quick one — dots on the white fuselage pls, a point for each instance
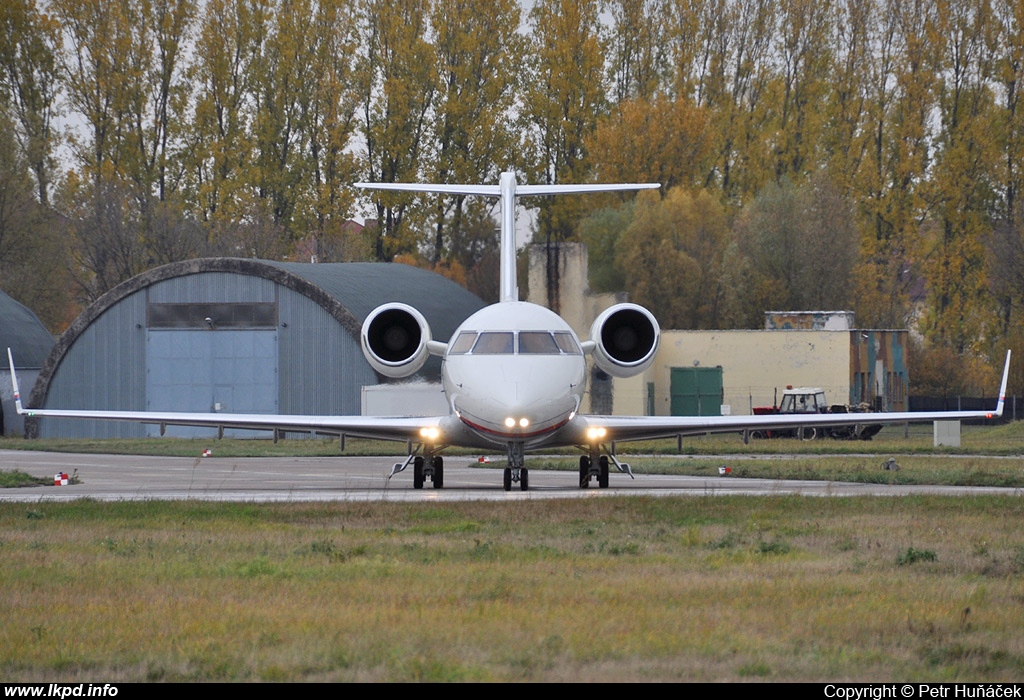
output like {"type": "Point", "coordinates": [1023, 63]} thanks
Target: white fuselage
{"type": "Point", "coordinates": [514, 372]}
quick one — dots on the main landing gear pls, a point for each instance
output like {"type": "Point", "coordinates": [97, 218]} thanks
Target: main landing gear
{"type": "Point", "coordinates": [589, 470]}
{"type": "Point", "coordinates": [423, 467]}
{"type": "Point", "coordinates": [515, 471]}
{"type": "Point", "coordinates": [595, 466]}
{"type": "Point", "coordinates": [422, 470]}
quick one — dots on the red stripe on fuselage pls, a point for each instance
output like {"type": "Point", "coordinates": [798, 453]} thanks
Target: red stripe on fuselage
{"type": "Point", "coordinates": [512, 436]}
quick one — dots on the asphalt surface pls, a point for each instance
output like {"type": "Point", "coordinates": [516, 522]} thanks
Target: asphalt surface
{"type": "Point", "coordinates": [281, 479]}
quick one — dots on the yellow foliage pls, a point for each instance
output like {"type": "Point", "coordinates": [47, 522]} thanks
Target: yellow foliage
{"type": "Point", "coordinates": [450, 269]}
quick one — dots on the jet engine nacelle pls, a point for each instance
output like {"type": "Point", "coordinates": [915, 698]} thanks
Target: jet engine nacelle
{"type": "Point", "coordinates": [626, 338]}
{"type": "Point", "coordinates": [395, 339]}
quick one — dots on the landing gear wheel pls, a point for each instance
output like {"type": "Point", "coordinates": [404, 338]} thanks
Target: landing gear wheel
{"type": "Point", "coordinates": [508, 479]}
{"type": "Point", "coordinates": [524, 479]}
{"type": "Point", "coordinates": [417, 473]}
{"type": "Point", "coordinates": [438, 478]}
{"type": "Point", "coordinates": [584, 472]}
{"type": "Point", "coordinates": [602, 480]}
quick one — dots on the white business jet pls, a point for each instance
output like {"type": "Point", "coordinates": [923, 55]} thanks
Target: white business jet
{"type": "Point", "coordinates": [514, 375]}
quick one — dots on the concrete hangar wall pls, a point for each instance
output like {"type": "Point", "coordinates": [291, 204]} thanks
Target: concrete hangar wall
{"type": "Point", "coordinates": [233, 335]}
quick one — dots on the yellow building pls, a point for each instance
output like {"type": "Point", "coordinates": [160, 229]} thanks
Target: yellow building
{"type": "Point", "coordinates": [851, 366]}
{"type": "Point", "coordinates": [716, 372]}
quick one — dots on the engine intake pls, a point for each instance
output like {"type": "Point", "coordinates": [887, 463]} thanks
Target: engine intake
{"type": "Point", "coordinates": [626, 338]}
{"type": "Point", "coordinates": [395, 339]}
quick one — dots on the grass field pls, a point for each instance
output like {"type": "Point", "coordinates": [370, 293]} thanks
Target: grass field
{"type": "Point", "coordinates": [697, 588]}
{"type": "Point", "coordinates": [619, 588]}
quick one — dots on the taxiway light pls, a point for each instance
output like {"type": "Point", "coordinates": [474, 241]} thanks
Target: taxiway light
{"type": "Point", "coordinates": [429, 433]}
{"type": "Point", "coordinates": [510, 422]}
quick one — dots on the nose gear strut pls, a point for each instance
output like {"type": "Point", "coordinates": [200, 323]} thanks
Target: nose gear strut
{"type": "Point", "coordinates": [515, 471]}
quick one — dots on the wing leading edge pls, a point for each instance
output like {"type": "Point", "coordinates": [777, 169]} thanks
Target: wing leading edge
{"type": "Point", "coordinates": [399, 428]}
{"type": "Point", "coordinates": [625, 428]}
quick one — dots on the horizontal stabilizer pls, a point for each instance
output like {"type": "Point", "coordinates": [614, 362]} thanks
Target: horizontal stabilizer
{"type": "Point", "coordinates": [495, 190]}
{"type": "Point", "coordinates": [480, 190]}
{"type": "Point", "coordinates": [584, 189]}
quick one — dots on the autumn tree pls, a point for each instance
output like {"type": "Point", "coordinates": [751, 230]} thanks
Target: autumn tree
{"type": "Point", "coordinates": [563, 97]}
{"type": "Point", "coordinates": [845, 137]}
{"type": "Point", "coordinates": [475, 247]}
{"type": "Point", "coordinates": [959, 190]}
{"type": "Point", "coordinates": [29, 50]}
{"type": "Point", "coordinates": [477, 57]}
{"type": "Point", "coordinates": [330, 123]}
{"type": "Point", "coordinates": [600, 231]}
{"type": "Point", "coordinates": [637, 48]}
{"type": "Point", "coordinates": [805, 53]}
{"type": "Point", "coordinates": [223, 74]}
{"type": "Point", "coordinates": [733, 77]}
{"type": "Point", "coordinates": [797, 248]}
{"type": "Point", "coordinates": [32, 256]}
{"type": "Point", "coordinates": [670, 257]}
{"type": "Point", "coordinates": [902, 85]}
{"type": "Point", "coordinates": [122, 76]}
{"type": "Point", "coordinates": [396, 70]}
{"type": "Point", "coordinates": [560, 108]}
{"type": "Point", "coordinates": [657, 140]}
{"type": "Point", "coordinates": [283, 81]}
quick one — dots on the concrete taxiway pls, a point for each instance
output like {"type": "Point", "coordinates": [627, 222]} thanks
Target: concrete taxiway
{"type": "Point", "coordinates": [282, 479]}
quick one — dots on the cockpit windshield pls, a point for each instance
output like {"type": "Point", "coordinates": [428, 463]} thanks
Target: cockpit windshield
{"type": "Point", "coordinates": [504, 343]}
{"type": "Point", "coordinates": [537, 343]}
{"type": "Point", "coordinates": [495, 344]}
{"type": "Point", "coordinates": [463, 343]}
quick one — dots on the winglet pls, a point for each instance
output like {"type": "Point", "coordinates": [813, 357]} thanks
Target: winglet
{"type": "Point", "coordinates": [1002, 387]}
{"type": "Point", "coordinates": [14, 384]}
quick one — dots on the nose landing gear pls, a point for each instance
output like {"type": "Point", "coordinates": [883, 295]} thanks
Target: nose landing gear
{"type": "Point", "coordinates": [515, 471]}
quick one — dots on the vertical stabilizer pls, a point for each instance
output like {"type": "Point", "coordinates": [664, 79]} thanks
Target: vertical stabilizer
{"type": "Point", "coordinates": [507, 190]}
{"type": "Point", "coordinates": [508, 289]}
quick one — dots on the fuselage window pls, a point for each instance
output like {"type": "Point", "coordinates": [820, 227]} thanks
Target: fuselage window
{"type": "Point", "coordinates": [463, 343]}
{"type": "Point", "coordinates": [567, 344]}
{"type": "Point", "coordinates": [537, 343]}
{"type": "Point", "coordinates": [495, 344]}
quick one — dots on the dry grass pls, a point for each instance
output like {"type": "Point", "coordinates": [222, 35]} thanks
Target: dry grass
{"type": "Point", "coordinates": [774, 588]}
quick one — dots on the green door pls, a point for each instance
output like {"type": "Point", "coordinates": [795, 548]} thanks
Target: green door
{"type": "Point", "coordinates": [696, 391]}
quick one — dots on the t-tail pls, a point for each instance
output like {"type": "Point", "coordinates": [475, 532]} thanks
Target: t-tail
{"type": "Point", "coordinates": [507, 190]}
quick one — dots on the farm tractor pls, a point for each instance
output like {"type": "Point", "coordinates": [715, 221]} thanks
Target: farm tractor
{"type": "Point", "coordinates": [812, 400]}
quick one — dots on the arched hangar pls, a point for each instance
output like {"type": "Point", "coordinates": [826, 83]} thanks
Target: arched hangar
{"type": "Point", "coordinates": [234, 335]}
{"type": "Point", "coordinates": [30, 343]}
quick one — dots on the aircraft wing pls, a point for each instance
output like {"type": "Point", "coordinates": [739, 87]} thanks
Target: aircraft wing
{"type": "Point", "coordinates": [626, 428]}
{"type": "Point", "coordinates": [400, 428]}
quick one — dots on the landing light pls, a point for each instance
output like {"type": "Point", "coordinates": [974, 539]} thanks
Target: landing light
{"type": "Point", "coordinates": [510, 422]}
{"type": "Point", "coordinates": [430, 433]}
{"type": "Point", "coordinates": [596, 433]}
{"type": "Point", "coordinates": [523, 422]}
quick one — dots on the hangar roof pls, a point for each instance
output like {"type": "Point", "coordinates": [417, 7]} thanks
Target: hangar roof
{"type": "Point", "coordinates": [348, 291]}
{"type": "Point", "coordinates": [23, 333]}
{"type": "Point", "coordinates": [361, 287]}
